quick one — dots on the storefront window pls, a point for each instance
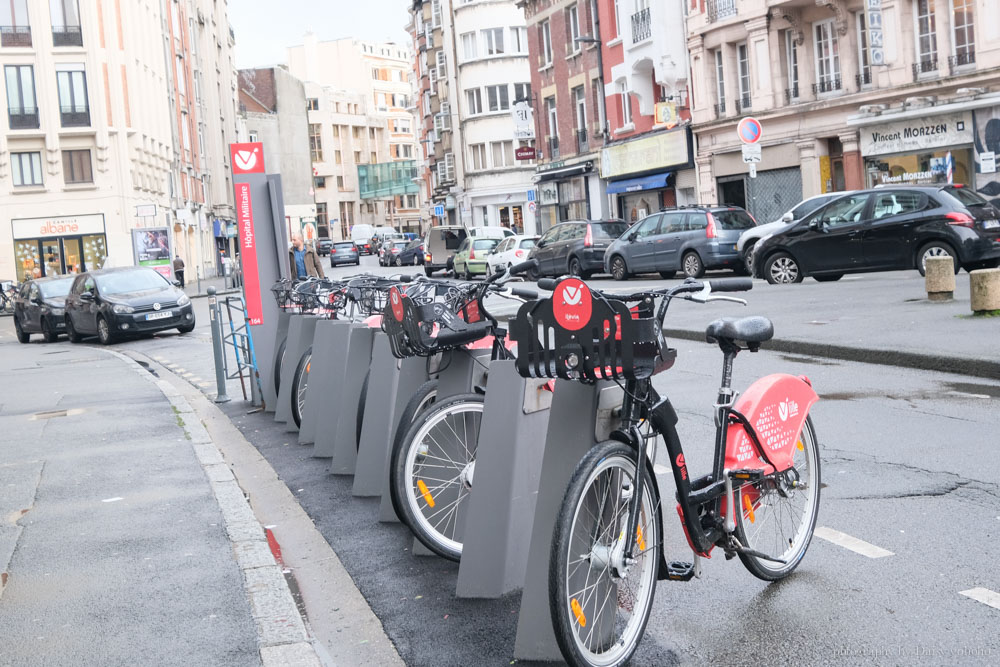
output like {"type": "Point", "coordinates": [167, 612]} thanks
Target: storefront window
{"type": "Point", "coordinates": [52, 256]}
{"type": "Point", "coordinates": [28, 259]}
{"type": "Point", "coordinates": [638, 206]}
{"type": "Point", "coordinates": [547, 216]}
{"type": "Point", "coordinates": [931, 166]}
{"type": "Point", "coordinates": [72, 255]}
{"type": "Point", "coordinates": [573, 199]}
{"type": "Point", "coordinates": [95, 251]}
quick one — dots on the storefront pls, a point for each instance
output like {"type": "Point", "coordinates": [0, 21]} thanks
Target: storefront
{"type": "Point", "coordinates": [59, 245]}
{"type": "Point", "coordinates": [567, 192]}
{"type": "Point", "coordinates": [643, 173]}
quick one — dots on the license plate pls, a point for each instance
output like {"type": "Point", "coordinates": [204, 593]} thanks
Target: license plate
{"type": "Point", "coordinates": [165, 315]}
{"type": "Point", "coordinates": [991, 224]}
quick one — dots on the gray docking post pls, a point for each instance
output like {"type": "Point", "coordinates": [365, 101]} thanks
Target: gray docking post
{"type": "Point", "coordinates": [300, 336]}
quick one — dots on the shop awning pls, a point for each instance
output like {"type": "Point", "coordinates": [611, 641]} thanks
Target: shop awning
{"type": "Point", "coordinates": [654, 182]}
{"type": "Point", "coordinates": [564, 172]}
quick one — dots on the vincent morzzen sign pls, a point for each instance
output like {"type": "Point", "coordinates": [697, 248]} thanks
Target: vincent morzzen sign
{"type": "Point", "coordinates": [915, 134]}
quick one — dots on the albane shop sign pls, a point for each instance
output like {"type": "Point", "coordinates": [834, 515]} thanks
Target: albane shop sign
{"type": "Point", "coordinates": [915, 134]}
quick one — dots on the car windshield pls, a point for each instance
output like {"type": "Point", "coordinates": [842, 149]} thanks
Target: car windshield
{"type": "Point", "coordinates": [485, 244]}
{"type": "Point", "coordinates": [56, 288]}
{"type": "Point", "coordinates": [527, 243]}
{"type": "Point", "coordinates": [344, 246]}
{"type": "Point", "coordinates": [733, 219]}
{"type": "Point", "coordinates": [452, 238]}
{"type": "Point", "coordinates": [966, 196]}
{"type": "Point", "coordinates": [808, 206]}
{"type": "Point", "coordinates": [608, 230]}
{"type": "Point", "coordinates": [122, 282]}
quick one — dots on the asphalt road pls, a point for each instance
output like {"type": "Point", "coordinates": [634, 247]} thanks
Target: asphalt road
{"type": "Point", "coordinates": [909, 466]}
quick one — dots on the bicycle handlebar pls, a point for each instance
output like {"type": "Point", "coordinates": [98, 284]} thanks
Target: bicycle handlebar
{"type": "Point", "coordinates": [518, 269]}
{"type": "Point", "coordinates": [731, 285]}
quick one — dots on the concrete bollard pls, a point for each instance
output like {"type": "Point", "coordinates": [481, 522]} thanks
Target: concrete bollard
{"type": "Point", "coordinates": [984, 286]}
{"type": "Point", "coordinates": [939, 278]}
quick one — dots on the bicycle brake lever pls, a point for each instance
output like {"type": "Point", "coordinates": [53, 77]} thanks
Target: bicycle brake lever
{"type": "Point", "coordinates": [719, 297]}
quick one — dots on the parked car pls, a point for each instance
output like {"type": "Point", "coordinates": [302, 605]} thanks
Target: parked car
{"type": "Point", "coordinates": [750, 237]}
{"type": "Point", "coordinates": [440, 246]}
{"type": "Point", "coordinates": [38, 308]}
{"type": "Point", "coordinates": [112, 303]}
{"type": "Point", "coordinates": [344, 252]}
{"type": "Point", "coordinates": [884, 229]}
{"type": "Point", "coordinates": [512, 250]}
{"type": "Point", "coordinates": [690, 239]}
{"type": "Point", "coordinates": [389, 250]}
{"type": "Point", "coordinates": [470, 260]}
{"type": "Point", "coordinates": [412, 254]}
{"type": "Point", "coordinates": [362, 237]}
{"type": "Point", "coordinates": [323, 247]}
{"type": "Point", "coordinates": [575, 247]}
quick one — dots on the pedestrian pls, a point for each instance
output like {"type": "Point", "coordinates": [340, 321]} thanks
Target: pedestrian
{"type": "Point", "coordinates": [302, 260]}
{"type": "Point", "coordinates": [179, 269]}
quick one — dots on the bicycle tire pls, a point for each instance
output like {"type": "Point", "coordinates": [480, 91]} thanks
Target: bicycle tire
{"type": "Point", "coordinates": [300, 384]}
{"type": "Point", "coordinates": [424, 397]}
{"type": "Point", "coordinates": [751, 507]}
{"type": "Point", "coordinates": [279, 359]}
{"type": "Point", "coordinates": [568, 612]}
{"type": "Point", "coordinates": [411, 498]}
{"type": "Point", "coordinates": [360, 419]}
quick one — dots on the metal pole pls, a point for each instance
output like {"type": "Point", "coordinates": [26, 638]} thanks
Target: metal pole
{"type": "Point", "coordinates": [220, 370]}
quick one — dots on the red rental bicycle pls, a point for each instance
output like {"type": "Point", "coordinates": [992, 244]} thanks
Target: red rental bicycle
{"type": "Point", "coordinates": [759, 502]}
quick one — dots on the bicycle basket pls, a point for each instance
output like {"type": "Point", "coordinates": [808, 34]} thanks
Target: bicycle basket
{"type": "Point", "coordinates": [424, 329]}
{"type": "Point", "coordinates": [575, 335]}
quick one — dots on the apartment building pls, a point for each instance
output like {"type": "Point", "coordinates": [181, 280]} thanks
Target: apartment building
{"type": "Point", "coordinates": [850, 94]}
{"type": "Point", "coordinates": [379, 73]}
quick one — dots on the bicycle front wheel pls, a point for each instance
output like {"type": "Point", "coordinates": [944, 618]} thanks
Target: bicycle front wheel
{"type": "Point", "coordinates": [599, 604]}
{"type": "Point", "coordinates": [777, 516]}
{"type": "Point", "coordinates": [299, 385]}
{"type": "Point", "coordinates": [432, 471]}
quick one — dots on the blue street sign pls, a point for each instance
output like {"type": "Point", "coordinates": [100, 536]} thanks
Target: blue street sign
{"type": "Point", "coordinates": [531, 195]}
{"type": "Point", "coordinates": [439, 210]}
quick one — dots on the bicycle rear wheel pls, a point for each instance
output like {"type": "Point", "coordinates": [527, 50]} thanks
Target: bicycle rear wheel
{"type": "Point", "coordinates": [777, 516]}
{"type": "Point", "coordinates": [599, 605]}
{"type": "Point", "coordinates": [299, 385]}
{"type": "Point", "coordinates": [279, 359]}
{"type": "Point", "coordinates": [432, 472]}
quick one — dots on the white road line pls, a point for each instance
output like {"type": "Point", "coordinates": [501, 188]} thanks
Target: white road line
{"type": "Point", "coordinates": [194, 378]}
{"type": "Point", "coordinates": [984, 595]}
{"type": "Point", "coordinates": [851, 543]}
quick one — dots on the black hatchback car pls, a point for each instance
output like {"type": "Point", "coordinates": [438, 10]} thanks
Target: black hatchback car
{"type": "Point", "coordinates": [575, 247]}
{"type": "Point", "coordinates": [112, 303]}
{"type": "Point", "coordinates": [884, 229]}
{"type": "Point", "coordinates": [38, 308]}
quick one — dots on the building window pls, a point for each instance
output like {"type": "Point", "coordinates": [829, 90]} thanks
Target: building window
{"type": "Point", "coordinates": [442, 64]}
{"type": "Point", "coordinates": [792, 65]}
{"type": "Point", "coordinates": [626, 104]}
{"type": "Point", "coordinates": [743, 65]}
{"type": "Point", "coordinates": [180, 76]}
{"type": "Point", "coordinates": [519, 39]}
{"type": "Point", "coordinates": [573, 29]}
{"type": "Point", "coordinates": [522, 92]}
{"type": "Point", "coordinates": [503, 153]}
{"type": "Point", "coordinates": [357, 157]}
{"type": "Point", "coordinates": [926, 36]}
{"type": "Point", "coordinates": [545, 36]}
{"type": "Point", "coordinates": [720, 83]}
{"type": "Point", "coordinates": [864, 66]}
{"type": "Point", "coordinates": [22, 111]}
{"type": "Point", "coordinates": [618, 20]}
{"type": "Point", "coordinates": [26, 168]}
{"type": "Point", "coordinates": [493, 42]}
{"type": "Point", "coordinates": [321, 217]}
{"type": "Point", "coordinates": [312, 104]}
{"type": "Point", "coordinates": [347, 213]}
{"type": "Point", "coordinates": [580, 114]}
{"type": "Point", "coordinates": [76, 167]}
{"type": "Point", "coordinates": [319, 182]}
{"type": "Point", "coordinates": [478, 156]}
{"type": "Point", "coordinates": [497, 97]}
{"type": "Point", "coordinates": [375, 74]}
{"type": "Point", "coordinates": [374, 158]}
{"type": "Point", "coordinates": [965, 32]}
{"type": "Point", "coordinates": [252, 135]}
{"type": "Point", "coordinates": [827, 57]}
{"type": "Point", "coordinates": [65, 23]}
{"type": "Point", "coordinates": [340, 182]}
{"type": "Point", "coordinates": [315, 143]}
{"type": "Point", "coordinates": [469, 45]}
{"type": "Point", "coordinates": [594, 31]}
{"type": "Point", "coordinates": [550, 114]}
{"type": "Point", "coordinates": [337, 158]}
{"type": "Point", "coordinates": [74, 108]}
{"type": "Point", "coordinates": [411, 201]}
{"type": "Point", "coordinates": [14, 27]}
{"type": "Point", "coordinates": [474, 99]}
{"type": "Point", "coordinates": [598, 89]}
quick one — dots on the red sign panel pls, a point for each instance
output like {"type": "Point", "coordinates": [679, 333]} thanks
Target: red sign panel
{"type": "Point", "coordinates": [248, 254]}
{"type": "Point", "coordinates": [524, 153]}
{"type": "Point", "coordinates": [247, 158]}
{"type": "Point", "coordinates": [571, 304]}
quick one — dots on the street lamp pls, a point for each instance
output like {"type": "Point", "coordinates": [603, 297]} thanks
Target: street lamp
{"type": "Point", "coordinates": [600, 75]}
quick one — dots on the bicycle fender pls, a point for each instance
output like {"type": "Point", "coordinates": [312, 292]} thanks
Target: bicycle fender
{"type": "Point", "coordinates": [776, 406]}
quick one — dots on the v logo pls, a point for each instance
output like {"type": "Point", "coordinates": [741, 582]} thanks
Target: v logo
{"type": "Point", "coordinates": [246, 160]}
{"type": "Point", "coordinates": [572, 295]}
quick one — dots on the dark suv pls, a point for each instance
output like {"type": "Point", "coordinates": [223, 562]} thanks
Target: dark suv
{"type": "Point", "coordinates": [884, 229]}
{"type": "Point", "coordinates": [689, 239]}
{"type": "Point", "coordinates": [576, 247]}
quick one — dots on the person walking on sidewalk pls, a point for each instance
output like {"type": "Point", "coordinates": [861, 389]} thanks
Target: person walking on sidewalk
{"type": "Point", "coordinates": [303, 260]}
{"type": "Point", "coordinates": [179, 269]}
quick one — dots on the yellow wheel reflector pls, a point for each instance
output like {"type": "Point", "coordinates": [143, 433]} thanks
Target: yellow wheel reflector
{"type": "Point", "coordinates": [800, 446]}
{"type": "Point", "coordinates": [639, 539]}
{"type": "Point", "coordinates": [425, 492]}
{"type": "Point", "coordinates": [578, 612]}
{"type": "Point", "coordinates": [309, 365]}
{"type": "Point", "coordinates": [749, 508]}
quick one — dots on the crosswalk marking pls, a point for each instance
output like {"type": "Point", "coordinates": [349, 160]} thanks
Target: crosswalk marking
{"type": "Point", "coordinates": [851, 543]}
{"type": "Point", "coordinates": [984, 595]}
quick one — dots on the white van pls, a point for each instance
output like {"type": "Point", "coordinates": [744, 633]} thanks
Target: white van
{"type": "Point", "coordinates": [362, 237]}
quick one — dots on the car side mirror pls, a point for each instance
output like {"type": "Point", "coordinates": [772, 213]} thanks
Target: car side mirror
{"type": "Point", "coordinates": [38, 300]}
{"type": "Point", "coordinates": [788, 217]}
{"type": "Point", "coordinates": [176, 283]}
{"type": "Point", "coordinates": [541, 244]}
{"type": "Point", "coordinates": [87, 296]}
{"type": "Point", "coordinates": [633, 236]}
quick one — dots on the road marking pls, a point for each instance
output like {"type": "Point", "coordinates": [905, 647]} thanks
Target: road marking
{"type": "Point", "coordinates": [851, 543]}
{"type": "Point", "coordinates": [195, 378]}
{"type": "Point", "coordinates": [112, 500]}
{"type": "Point", "coordinates": [984, 595]}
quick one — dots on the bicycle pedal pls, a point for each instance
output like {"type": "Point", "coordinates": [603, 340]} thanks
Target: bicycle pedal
{"type": "Point", "coordinates": [680, 571]}
{"type": "Point", "coordinates": [748, 476]}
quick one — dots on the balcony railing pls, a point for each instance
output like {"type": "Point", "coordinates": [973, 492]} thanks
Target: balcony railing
{"type": "Point", "coordinates": [791, 94]}
{"type": "Point", "coordinates": [582, 145]}
{"type": "Point", "coordinates": [553, 147]}
{"type": "Point", "coordinates": [743, 104]}
{"type": "Point", "coordinates": [641, 26]}
{"type": "Point", "coordinates": [827, 86]}
{"type": "Point", "coordinates": [15, 35]}
{"type": "Point", "coordinates": [23, 118]}
{"type": "Point", "coordinates": [924, 67]}
{"type": "Point", "coordinates": [720, 109]}
{"type": "Point", "coordinates": [74, 117]}
{"type": "Point", "coordinates": [70, 35]}
{"type": "Point", "coordinates": [720, 9]}
{"type": "Point", "coordinates": [863, 79]}
{"type": "Point", "coordinates": [961, 60]}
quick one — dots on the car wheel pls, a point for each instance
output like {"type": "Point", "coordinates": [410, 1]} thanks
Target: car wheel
{"type": "Point", "coordinates": [829, 278]}
{"type": "Point", "coordinates": [22, 335]}
{"type": "Point", "coordinates": [748, 257]}
{"type": "Point", "coordinates": [574, 267]}
{"type": "Point", "coordinates": [935, 249]}
{"type": "Point", "coordinates": [416, 260]}
{"type": "Point", "coordinates": [667, 275]}
{"type": "Point", "coordinates": [782, 269]}
{"type": "Point", "coordinates": [534, 274]}
{"type": "Point", "coordinates": [399, 261]}
{"type": "Point", "coordinates": [71, 333]}
{"type": "Point", "coordinates": [692, 265]}
{"type": "Point", "coordinates": [104, 334]}
{"type": "Point", "coordinates": [186, 329]}
{"type": "Point", "coordinates": [468, 273]}
{"type": "Point", "coordinates": [48, 332]}
{"type": "Point", "coordinates": [619, 271]}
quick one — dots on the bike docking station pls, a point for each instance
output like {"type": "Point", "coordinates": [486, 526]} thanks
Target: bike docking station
{"type": "Point", "coordinates": [501, 503]}
{"type": "Point", "coordinates": [301, 329]}
{"type": "Point", "coordinates": [351, 359]}
{"type": "Point", "coordinates": [267, 372]}
{"type": "Point", "coordinates": [322, 392]}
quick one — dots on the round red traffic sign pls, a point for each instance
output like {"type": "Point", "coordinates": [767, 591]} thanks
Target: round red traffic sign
{"type": "Point", "coordinates": [749, 130]}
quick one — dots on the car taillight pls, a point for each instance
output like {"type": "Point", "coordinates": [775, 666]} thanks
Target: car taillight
{"type": "Point", "coordinates": [472, 253]}
{"type": "Point", "coordinates": [960, 219]}
{"type": "Point", "coordinates": [710, 232]}
{"type": "Point", "coordinates": [427, 257]}
{"type": "Point", "coordinates": [588, 239]}
{"type": "Point", "coordinates": [518, 253]}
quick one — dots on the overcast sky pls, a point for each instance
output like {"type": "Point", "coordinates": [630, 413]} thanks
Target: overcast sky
{"type": "Point", "coordinates": [265, 28]}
